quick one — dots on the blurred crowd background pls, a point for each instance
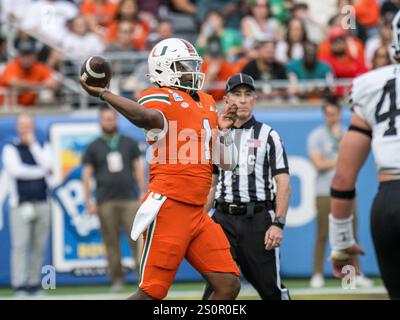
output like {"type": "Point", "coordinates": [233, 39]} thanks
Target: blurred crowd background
{"type": "Point", "coordinates": [297, 50]}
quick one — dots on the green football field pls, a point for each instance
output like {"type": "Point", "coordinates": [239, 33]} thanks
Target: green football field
{"type": "Point", "coordinates": [299, 289]}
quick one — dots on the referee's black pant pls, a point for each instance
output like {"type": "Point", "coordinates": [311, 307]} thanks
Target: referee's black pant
{"type": "Point", "coordinates": [259, 267]}
{"type": "Point", "coordinates": [385, 228]}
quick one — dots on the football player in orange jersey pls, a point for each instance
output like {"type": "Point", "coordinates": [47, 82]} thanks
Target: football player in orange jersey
{"type": "Point", "coordinates": [187, 135]}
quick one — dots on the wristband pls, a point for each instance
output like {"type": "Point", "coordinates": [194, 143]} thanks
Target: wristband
{"type": "Point", "coordinates": [341, 233]}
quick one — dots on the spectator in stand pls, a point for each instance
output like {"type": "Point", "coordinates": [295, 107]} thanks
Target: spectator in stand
{"type": "Point", "coordinates": [259, 24]}
{"type": "Point", "coordinates": [281, 9]}
{"type": "Point", "coordinates": [308, 68]}
{"type": "Point", "coordinates": [213, 26]}
{"type": "Point", "coordinates": [384, 39]}
{"type": "Point", "coordinates": [138, 81]}
{"type": "Point", "coordinates": [123, 40]}
{"type": "Point", "coordinates": [151, 10]}
{"type": "Point", "coordinates": [292, 48]}
{"type": "Point", "coordinates": [25, 75]}
{"type": "Point", "coordinates": [49, 18]}
{"type": "Point", "coordinates": [123, 68]}
{"type": "Point", "coordinates": [346, 18]}
{"type": "Point", "coordinates": [184, 6]}
{"type": "Point", "coordinates": [367, 15]}
{"type": "Point", "coordinates": [354, 45]}
{"type": "Point", "coordinates": [80, 42]}
{"type": "Point", "coordinates": [231, 11]}
{"type": "Point", "coordinates": [381, 58]}
{"type": "Point", "coordinates": [390, 6]}
{"type": "Point", "coordinates": [344, 65]}
{"type": "Point", "coordinates": [180, 12]}
{"type": "Point", "coordinates": [266, 68]}
{"type": "Point", "coordinates": [12, 10]}
{"type": "Point", "coordinates": [216, 68]}
{"type": "Point", "coordinates": [154, 8]}
{"type": "Point", "coordinates": [128, 11]}
{"type": "Point", "coordinates": [163, 31]}
{"type": "Point", "coordinates": [315, 16]}
{"type": "Point", "coordinates": [99, 14]}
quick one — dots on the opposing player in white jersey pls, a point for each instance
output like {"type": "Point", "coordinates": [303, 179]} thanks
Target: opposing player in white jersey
{"type": "Point", "coordinates": [375, 101]}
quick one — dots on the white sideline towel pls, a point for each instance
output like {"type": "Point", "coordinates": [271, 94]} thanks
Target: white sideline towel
{"type": "Point", "coordinates": [146, 214]}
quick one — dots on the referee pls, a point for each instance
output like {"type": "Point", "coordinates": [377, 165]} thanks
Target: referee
{"type": "Point", "coordinates": [251, 202]}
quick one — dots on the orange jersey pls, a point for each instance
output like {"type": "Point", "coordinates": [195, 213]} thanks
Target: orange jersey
{"type": "Point", "coordinates": [226, 70]}
{"type": "Point", "coordinates": [181, 164]}
{"type": "Point", "coordinates": [104, 13]}
{"type": "Point", "coordinates": [139, 34]}
{"type": "Point", "coordinates": [37, 73]}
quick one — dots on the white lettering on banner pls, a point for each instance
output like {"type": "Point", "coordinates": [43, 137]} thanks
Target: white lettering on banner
{"type": "Point", "coordinates": [305, 212]}
{"type": "Point", "coordinates": [4, 191]}
{"type": "Point", "coordinates": [71, 196]}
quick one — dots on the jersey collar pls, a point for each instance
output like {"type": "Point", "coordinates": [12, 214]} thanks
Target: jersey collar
{"type": "Point", "coordinates": [247, 125]}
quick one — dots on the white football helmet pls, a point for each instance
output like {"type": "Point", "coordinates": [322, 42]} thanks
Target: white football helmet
{"type": "Point", "coordinates": [175, 62]}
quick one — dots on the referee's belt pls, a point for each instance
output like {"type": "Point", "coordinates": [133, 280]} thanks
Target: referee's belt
{"type": "Point", "coordinates": [248, 208]}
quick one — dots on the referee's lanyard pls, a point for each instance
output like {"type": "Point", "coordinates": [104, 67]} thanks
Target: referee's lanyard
{"type": "Point", "coordinates": [115, 162]}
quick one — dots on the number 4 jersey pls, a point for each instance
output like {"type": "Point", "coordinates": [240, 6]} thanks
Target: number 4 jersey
{"type": "Point", "coordinates": [181, 164]}
{"type": "Point", "coordinates": [375, 97]}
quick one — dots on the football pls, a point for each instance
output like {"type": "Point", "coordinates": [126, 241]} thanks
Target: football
{"type": "Point", "coordinates": [96, 71]}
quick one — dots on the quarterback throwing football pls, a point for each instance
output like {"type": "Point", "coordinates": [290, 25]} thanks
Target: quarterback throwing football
{"type": "Point", "coordinates": [187, 137]}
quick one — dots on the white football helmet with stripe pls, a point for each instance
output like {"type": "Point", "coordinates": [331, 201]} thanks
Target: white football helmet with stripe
{"type": "Point", "coordinates": [175, 63]}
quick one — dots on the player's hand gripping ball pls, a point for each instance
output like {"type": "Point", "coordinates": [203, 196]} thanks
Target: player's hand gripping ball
{"type": "Point", "coordinates": [96, 72]}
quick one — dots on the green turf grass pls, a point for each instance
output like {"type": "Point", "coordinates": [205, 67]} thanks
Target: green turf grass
{"type": "Point", "coordinates": [199, 286]}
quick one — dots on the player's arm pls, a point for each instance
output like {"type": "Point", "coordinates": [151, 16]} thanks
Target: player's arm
{"type": "Point", "coordinates": [282, 194]}
{"type": "Point", "coordinates": [280, 172]}
{"type": "Point", "coordinates": [353, 152]}
{"type": "Point", "coordinates": [138, 115]}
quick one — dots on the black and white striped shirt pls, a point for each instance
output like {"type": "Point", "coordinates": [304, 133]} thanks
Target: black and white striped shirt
{"type": "Point", "coordinates": [261, 157]}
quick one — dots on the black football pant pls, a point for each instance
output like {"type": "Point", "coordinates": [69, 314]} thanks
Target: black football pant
{"type": "Point", "coordinates": [385, 228]}
{"type": "Point", "coordinates": [259, 266]}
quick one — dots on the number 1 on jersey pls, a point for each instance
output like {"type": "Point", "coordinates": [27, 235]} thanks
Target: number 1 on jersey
{"type": "Point", "coordinates": [207, 128]}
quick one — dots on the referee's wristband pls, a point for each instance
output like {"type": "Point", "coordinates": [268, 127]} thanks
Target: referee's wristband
{"type": "Point", "coordinates": [279, 225]}
{"type": "Point", "coordinates": [102, 93]}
